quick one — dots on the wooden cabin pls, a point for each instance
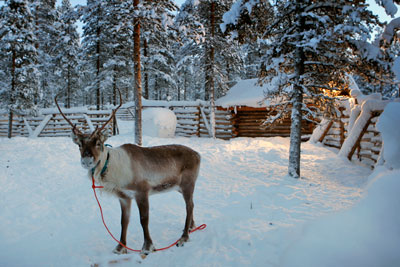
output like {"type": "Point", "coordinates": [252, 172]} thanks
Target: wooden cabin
{"type": "Point", "coordinates": [248, 112]}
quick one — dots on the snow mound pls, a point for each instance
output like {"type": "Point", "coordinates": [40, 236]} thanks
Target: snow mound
{"type": "Point", "coordinates": [366, 235]}
{"type": "Point", "coordinates": [389, 126]}
{"type": "Point", "coordinates": [159, 122]}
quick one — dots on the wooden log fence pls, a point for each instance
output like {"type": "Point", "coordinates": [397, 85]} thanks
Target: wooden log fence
{"type": "Point", "coordinates": [52, 124]}
{"type": "Point", "coordinates": [365, 147]}
{"type": "Point", "coordinates": [193, 119]}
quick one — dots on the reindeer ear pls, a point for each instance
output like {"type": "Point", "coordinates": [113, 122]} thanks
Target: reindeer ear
{"type": "Point", "coordinates": [103, 136]}
{"type": "Point", "coordinates": [75, 137]}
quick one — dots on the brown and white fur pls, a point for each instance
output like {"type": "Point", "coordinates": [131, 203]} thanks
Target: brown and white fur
{"type": "Point", "coordinates": [136, 172]}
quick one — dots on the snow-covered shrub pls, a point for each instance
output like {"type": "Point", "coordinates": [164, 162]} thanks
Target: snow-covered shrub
{"type": "Point", "coordinates": [159, 122]}
{"type": "Point", "coordinates": [389, 126]}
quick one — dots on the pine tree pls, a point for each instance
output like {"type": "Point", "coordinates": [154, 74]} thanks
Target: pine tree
{"type": "Point", "coordinates": [93, 47]}
{"type": "Point", "coordinates": [66, 53]}
{"type": "Point", "coordinates": [188, 51]}
{"type": "Point", "coordinates": [118, 65]}
{"type": "Point", "coordinates": [220, 55]}
{"type": "Point", "coordinates": [46, 19]}
{"type": "Point", "coordinates": [19, 58]}
{"type": "Point", "coordinates": [158, 58]}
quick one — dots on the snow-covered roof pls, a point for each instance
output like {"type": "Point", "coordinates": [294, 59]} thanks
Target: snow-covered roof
{"type": "Point", "coordinates": [244, 93]}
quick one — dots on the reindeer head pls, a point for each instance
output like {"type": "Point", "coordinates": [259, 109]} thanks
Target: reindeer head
{"type": "Point", "coordinates": [91, 146]}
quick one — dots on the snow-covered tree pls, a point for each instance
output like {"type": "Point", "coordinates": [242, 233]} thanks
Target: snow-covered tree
{"type": "Point", "coordinates": [312, 46]}
{"type": "Point", "coordinates": [46, 32]}
{"type": "Point", "coordinates": [390, 40]}
{"type": "Point", "coordinates": [158, 58]}
{"type": "Point", "coordinates": [118, 65]}
{"type": "Point", "coordinates": [19, 75]}
{"type": "Point", "coordinates": [188, 51]}
{"type": "Point", "coordinates": [94, 51]}
{"type": "Point", "coordinates": [66, 52]}
{"type": "Point", "coordinates": [247, 22]}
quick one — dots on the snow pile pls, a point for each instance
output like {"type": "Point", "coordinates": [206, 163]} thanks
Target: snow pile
{"type": "Point", "coordinates": [366, 235]}
{"type": "Point", "coordinates": [389, 126]}
{"type": "Point", "coordinates": [159, 122]}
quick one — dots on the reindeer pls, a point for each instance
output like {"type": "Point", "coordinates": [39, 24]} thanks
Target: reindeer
{"type": "Point", "coordinates": [134, 172]}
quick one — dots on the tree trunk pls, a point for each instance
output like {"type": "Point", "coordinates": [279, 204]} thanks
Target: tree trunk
{"type": "Point", "coordinates": [10, 124]}
{"type": "Point", "coordinates": [138, 77]}
{"type": "Point", "coordinates": [98, 71]}
{"type": "Point", "coordinates": [185, 90]}
{"type": "Point", "coordinates": [146, 73]}
{"type": "Point", "coordinates": [13, 79]}
{"type": "Point", "coordinates": [69, 87]}
{"type": "Point", "coordinates": [297, 100]}
{"type": "Point", "coordinates": [114, 100]}
{"type": "Point", "coordinates": [211, 80]}
{"type": "Point", "coordinates": [295, 135]}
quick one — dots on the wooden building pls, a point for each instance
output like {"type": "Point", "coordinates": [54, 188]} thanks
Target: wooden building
{"type": "Point", "coordinates": [248, 111]}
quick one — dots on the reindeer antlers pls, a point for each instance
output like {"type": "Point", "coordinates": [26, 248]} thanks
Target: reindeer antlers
{"type": "Point", "coordinates": [112, 114]}
{"type": "Point", "coordinates": [97, 129]}
{"type": "Point", "coordinates": [74, 129]}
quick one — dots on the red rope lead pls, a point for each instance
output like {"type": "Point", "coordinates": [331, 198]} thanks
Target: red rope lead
{"type": "Point", "coordinates": [201, 227]}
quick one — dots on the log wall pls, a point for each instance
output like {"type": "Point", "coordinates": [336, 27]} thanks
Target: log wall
{"type": "Point", "coordinates": [248, 122]}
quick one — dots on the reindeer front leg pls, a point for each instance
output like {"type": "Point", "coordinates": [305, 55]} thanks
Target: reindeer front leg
{"type": "Point", "coordinates": [187, 193]}
{"type": "Point", "coordinates": [142, 200]}
{"type": "Point", "coordinates": [125, 215]}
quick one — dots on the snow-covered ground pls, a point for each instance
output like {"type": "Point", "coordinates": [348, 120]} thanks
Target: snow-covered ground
{"type": "Point", "coordinates": [255, 214]}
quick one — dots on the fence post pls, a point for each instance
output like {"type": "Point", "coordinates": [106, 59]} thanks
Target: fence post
{"type": "Point", "coordinates": [328, 127]}
{"type": "Point", "coordinates": [198, 125]}
{"type": "Point", "coordinates": [10, 123]}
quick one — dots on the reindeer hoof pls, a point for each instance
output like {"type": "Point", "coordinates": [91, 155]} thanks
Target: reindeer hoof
{"type": "Point", "coordinates": [146, 251]}
{"type": "Point", "coordinates": [182, 241]}
{"type": "Point", "coordinates": [120, 250]}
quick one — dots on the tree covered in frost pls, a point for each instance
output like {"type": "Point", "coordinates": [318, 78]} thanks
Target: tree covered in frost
{"type": "Point", "coordinates": [389, 40]}
{"type": "Point", "coordinates": [221, 58]}
{"type": "Point", "coordinates": [19, 75]}
{"type": "Point", "coordinates": [157, 41]}
{"type": "Point", "coordinates": [65, 56]}
{"type": "Point", "coordinates": [46, 33]}
{"type": "Point", "coordinates": [94, 50]}
{"type": "Point", "coordinates": [188, 47]}
{"type": "Point", "coordinates": [246, 22]}
{"type": "Point", "coordinates": [118, 65]}
{"type": "Point", "coordinates": [312, 46]}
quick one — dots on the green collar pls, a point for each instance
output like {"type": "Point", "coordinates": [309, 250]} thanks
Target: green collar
{"type": "Point", "coordinates": [104, 167]}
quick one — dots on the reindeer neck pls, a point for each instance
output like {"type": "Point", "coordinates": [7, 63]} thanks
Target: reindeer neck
{"type": "Point", "coordinates": [103, 164]}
